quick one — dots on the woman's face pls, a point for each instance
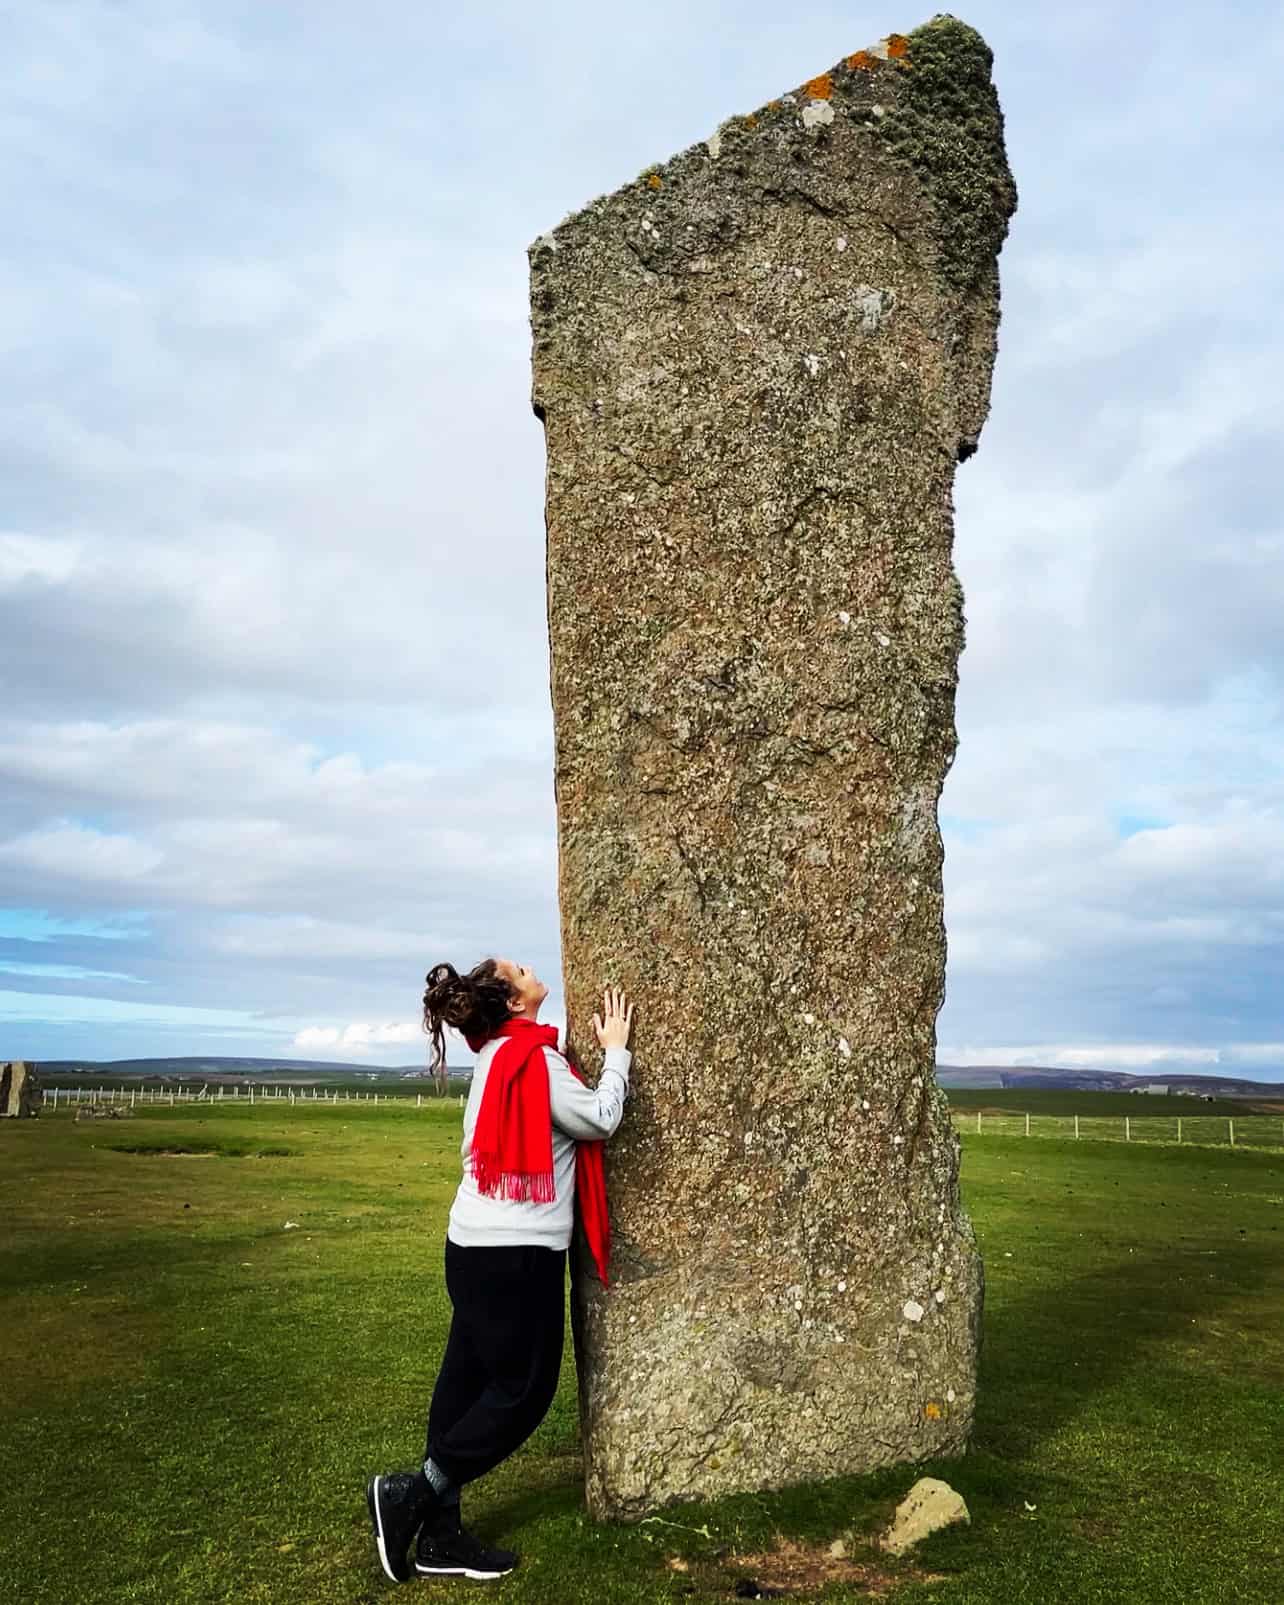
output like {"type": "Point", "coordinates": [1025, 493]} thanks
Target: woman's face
{"type": "Point", "coordinates": [527, 988]}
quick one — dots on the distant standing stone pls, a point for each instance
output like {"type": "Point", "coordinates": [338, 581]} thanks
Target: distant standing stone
{"type": "Point", "coordinates": [20, 1092]}
{"type": "Point", "coordinates": [757, 366]}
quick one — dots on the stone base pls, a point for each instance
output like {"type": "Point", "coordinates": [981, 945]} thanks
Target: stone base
{"type": "Point", "coordinates": [731, 1373]}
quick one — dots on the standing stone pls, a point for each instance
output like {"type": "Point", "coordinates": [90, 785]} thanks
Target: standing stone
{"type": "Point", "coordinates": [757, 366]}
{"type": "Point", "coordinates": [20, 1091]}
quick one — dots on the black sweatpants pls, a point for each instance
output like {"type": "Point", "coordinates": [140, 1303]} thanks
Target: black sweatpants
{"type": "Point", "coordinates": [503, 1355]}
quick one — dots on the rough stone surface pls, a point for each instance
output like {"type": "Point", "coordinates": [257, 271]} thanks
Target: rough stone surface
{"type": "Point", "coordinates": [758, 366]}
{"type": "Point", "coordinates": [20, 1092]}
{"type": "Point", "coordinates": [929, 1505]}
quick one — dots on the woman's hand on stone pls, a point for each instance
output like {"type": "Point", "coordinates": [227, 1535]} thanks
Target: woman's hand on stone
{"type": "Point", "coordinates": [616, 1019]}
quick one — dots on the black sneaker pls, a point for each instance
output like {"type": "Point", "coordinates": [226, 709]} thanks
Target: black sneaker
{"type": "Point", "coordinates": [396, 1512]}
{"type": "Point", "coordinates": [446, 1550]}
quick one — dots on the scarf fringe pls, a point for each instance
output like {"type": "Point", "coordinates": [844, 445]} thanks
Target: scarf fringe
{"type": "Point", "coordinates": [515, 1186]}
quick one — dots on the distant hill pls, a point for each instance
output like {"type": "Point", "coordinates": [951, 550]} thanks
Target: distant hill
{"type": "Point", "coordinates": [949, 1075]}
{"type": "Point", "coordinates": [217, 1067]}
{"type": "Point", "coordinates": [1025, 1075]}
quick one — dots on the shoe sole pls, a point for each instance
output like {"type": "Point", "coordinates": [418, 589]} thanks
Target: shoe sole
{"type": "Point", "coordinates": [461, 1571]}
{"type": "Point", "coordinates": [372, 1500]}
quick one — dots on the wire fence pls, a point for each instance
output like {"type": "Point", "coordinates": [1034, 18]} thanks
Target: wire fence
{"type": "Point", "coordinates": [173, 1097]}
{"type": "Point", "coordinates": [1204, 1131]}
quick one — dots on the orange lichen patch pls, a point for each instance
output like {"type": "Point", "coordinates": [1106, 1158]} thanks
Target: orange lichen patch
{"type": "Point", "coordinates": [750, 120]}
{"type": "Point", "coordinates": [897, 46]}
{"type": "Point", "coordinates": [654, 181]}
{"type": "Point", "coordinates": [819, 88]}
{"type": "Point", "coordinates": [862, 61]}
{"type": "Point", "coordinates": [932, 1410]}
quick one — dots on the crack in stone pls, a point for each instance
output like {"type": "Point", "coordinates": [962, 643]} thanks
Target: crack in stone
{"type": "Point", "coordinates": [697, 879]}
{"type": "Point", "coordinates": [795, 518]}
{"type": "Point", "coordinates": [647, 473]}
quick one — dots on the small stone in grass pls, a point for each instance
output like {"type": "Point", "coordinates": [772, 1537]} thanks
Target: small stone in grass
{"type": "Point", "coordinates": [930, 1505]}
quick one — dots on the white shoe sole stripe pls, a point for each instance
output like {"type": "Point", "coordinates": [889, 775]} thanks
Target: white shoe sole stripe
{"type": "Point", "coordinates": [460, 1571]}
{"type": "Point", "coordinates": [383, 1548]}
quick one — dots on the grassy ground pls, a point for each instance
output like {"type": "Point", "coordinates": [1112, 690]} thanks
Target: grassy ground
{"type": "Point", "coordinates": [193, 1394]}
{"type": "Point", "coordinates": [1067, 1101]}
{"type": "Point", "coordinates": [1115, 1117]}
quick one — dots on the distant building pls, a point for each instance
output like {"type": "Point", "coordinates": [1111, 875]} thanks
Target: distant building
{"type": "Point", "coordinates": [1156, 1086]}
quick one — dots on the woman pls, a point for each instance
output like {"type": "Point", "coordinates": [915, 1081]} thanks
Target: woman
{"type": "Point", "coordinates": [532, 1148]}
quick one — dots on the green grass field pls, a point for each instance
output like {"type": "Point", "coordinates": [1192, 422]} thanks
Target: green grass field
{"type": "Point", "coordinates": [1065, 1101]}
{"type": "Point", "coordinates": [193, 1395]}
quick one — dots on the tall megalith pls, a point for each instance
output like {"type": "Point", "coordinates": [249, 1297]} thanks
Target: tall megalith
{"type": "Point", "coordinates": [20, 1092]}
{"type": "Point", "coordinates": [757, 367]}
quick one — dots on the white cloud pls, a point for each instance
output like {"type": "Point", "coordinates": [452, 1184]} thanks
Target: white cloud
{"type": "Point", "coordinates": [1110, 1056]}
{"type": "Point", "coordinates": [296, 937]}
{"type": "Point", "coordinates": [28, 558]}
{"type": "Point", "coordinates": [69, 853]}
{"type": "Point", "coordinates": [355, 1040]}
{"type": "Point", "coordinates": [271, 596]}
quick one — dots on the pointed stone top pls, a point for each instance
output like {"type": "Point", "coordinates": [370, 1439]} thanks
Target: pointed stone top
{"type": "Point", "coordinates": [925, 99]}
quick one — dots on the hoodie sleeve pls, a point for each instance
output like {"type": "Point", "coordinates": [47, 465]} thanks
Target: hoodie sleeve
{"type": "Point", "coordinates": [587, 1113]}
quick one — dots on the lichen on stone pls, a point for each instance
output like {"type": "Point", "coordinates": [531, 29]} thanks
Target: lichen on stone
{"type": "Point", "coordinates": [756, 366]}
{"type": "Point", "coordinates": [946, 122]}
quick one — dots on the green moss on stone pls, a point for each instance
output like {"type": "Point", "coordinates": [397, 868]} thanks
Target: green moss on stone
{"type": "Point", "coordinates": [947, 124]}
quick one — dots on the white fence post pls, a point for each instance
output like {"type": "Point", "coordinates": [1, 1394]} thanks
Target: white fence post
{"type": "Point", "coordinates": [1178, 1128]}
{"type": "Point", "coordinates": [1231, 1127]}
{"type": "Point", "coordinates": [1027, 1125]}
{"type": "Point", "coordinates": [1127, 1129]}
{"type": "Point", "coordinates": [1076, 1128]}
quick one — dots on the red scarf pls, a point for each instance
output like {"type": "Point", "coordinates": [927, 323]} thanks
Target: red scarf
{"type": "Point", "coordinates": [512, 1147]}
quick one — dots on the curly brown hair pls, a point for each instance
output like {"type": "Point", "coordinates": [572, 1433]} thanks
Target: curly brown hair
{"type": "Point", "coordinates": [476, 1005]}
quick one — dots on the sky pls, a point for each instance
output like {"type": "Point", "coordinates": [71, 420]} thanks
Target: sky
{"type": "Point", "coordinates": [275, 731]}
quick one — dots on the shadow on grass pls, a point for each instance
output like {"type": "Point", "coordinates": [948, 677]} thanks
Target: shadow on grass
{"type": "Point", "coordinates": [548, 1499]}
{"type": "Point", "coordinates": [1049, 1352]}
